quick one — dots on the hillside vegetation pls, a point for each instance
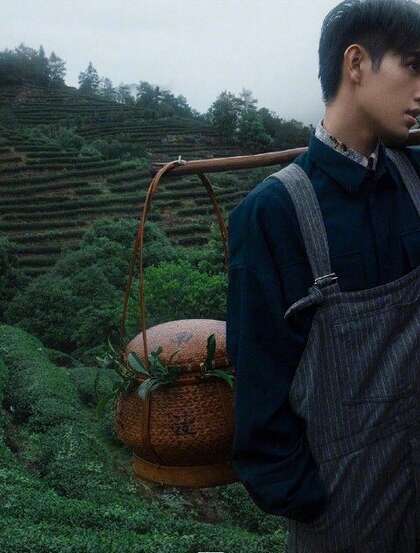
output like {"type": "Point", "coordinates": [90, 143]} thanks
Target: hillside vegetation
{"type": "Point", "coordinates": [66, 482]}
{"type": "Point", "coordinates": [75, 165]}
{"type": "Point", "coordinates": [66, 159]}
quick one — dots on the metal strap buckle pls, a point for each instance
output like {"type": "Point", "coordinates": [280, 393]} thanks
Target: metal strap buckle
{"type": "Point", "coordinates": [325, 280]}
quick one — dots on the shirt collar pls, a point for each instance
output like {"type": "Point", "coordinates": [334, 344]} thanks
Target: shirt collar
{"type": "Point", "coordinates": [322, 133]}
{"type": "Point", "coordinates": [346, 166]}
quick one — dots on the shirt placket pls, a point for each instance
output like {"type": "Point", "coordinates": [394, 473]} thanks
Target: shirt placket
{"type": "Point", "coordinates": [381, 228]}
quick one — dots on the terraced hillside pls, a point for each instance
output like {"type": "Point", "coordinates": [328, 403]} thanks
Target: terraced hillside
{"type": "Point", "coordinates": [49, 195]}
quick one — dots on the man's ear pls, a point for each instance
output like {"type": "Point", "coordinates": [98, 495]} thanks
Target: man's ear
{"type": "Point", "coordinates": [356, 58]}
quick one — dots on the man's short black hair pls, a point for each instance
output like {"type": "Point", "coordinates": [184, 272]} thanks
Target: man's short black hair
{"type": "Point", "coordinates": [378, 25]}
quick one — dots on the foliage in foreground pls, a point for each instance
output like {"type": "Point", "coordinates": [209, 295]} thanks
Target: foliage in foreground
{"type": "Point", "coordinates": [66, 483]}
{"type": "Point", "coordinates": [11, 277]}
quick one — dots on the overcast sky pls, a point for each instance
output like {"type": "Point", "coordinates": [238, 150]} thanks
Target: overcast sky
{"type": "Point", "coordinates": [193, 47]}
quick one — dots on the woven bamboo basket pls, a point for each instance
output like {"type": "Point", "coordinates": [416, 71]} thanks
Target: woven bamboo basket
{"type": "Point", "coordinates": [181, 433]}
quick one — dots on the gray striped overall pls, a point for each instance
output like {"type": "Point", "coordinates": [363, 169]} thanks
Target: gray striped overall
{"type": "Point", "coordinates": [357, 387]}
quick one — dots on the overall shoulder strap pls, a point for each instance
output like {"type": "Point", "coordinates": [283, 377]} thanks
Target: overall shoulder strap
{"type": "Point", "coordinates": [310, 220]}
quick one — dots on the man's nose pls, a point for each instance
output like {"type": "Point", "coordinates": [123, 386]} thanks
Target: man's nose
{"type": "Point", "coordinates": [417, 96]}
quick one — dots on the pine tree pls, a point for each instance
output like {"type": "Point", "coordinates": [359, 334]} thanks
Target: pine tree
{"type": "Point", "coordinates": [106, 89]}
{"type": "Point", "coordinates": [248, 102]}
{"type": "Point", "coordinates": [89, 80]}
{"type": "Point", "coordinates": [43, 66]}
{"type": "Point", "coordinates": [26, 64]}
{"type": "Point", "coordinates": [57, 69]}
{"type": "Point", "coordinates": [123, 95]}
{"type": "Point", "coordinates": [224, 115]}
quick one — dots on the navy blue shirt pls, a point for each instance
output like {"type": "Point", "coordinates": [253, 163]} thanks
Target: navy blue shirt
{"type": "Point", "coordinates": [373, 231]}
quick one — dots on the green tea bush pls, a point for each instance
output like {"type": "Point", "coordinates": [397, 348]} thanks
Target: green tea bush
{"type": "Point", "coordinates": [66, 139]}
{"type": "Point", "coordinates": [77, 304]}
{"type": "Point", "coordinates": [54, 135]}
{"type": "Point", "coordinates": [12, 277]}
{"type": "Point", "coordinates": [176, 290]}
{"type": "Point", "coordinates": [241, 512]}
{"type": "Point", "coordinates": [92, 382]}
{"type": "Point", "coordinates": [134, 163]}
{"type": "Point", "coordinates": [6, 456]}
{"type": "Point", "coordinates": [89, 150]}
{"type": "Point", "coordinates": [8, 119]}
{"type": "Point", "coordinates": [113, 148]}
{"type": "Point", "coordinates": [65, 442]}
{"type": "Point", "coordinates": [66, 312]}
{"type": "Point", "coordinates": [75, 461]}
{"type": "Point", "coordinates": [122, 231]}
{"type": "Point", "coordinates": [68, 487]}
{"type": "Point", "coordinates": [208, 259]}
{"type": "Point", "coordinates": [42, 401]}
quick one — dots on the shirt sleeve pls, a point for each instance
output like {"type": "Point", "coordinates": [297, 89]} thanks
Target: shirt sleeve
{"type": "Point", "coordinates": [270, 453]}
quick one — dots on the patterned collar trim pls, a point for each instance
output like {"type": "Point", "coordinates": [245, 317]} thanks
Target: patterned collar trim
{"type": "Point", "coordinates": [370, 162]}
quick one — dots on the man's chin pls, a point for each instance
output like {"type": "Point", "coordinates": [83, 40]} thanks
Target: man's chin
{"type": "Point", "coordinates": [396, 138]}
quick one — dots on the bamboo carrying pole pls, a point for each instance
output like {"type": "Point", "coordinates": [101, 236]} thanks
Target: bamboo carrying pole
{"type": "Point", "coordinates": [215, 165]}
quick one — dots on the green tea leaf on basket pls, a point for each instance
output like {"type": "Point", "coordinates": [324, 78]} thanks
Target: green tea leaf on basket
{"type": "Point", "coordinates": [116, 387]}
{"type": "Point", "coordinates": [211, 347]}
{"type": "Point", "coordinates": [207, 365]}
{"type": "Point", "coordinates": [155, 354]}
{"type": "Point", "coordinates": [110, 345]}
{"type": "Point", "coordinates": [175, 372]}
{"type": "Point", "coordinates": [224, 375]}
{"type": "Point", "coordinates": [147, 386]}
{"type": "Point", "coordinates": [174, 353]}
{"type": "Point", "coordinates": [157, 369]}
{"type": "Point", "coordinates": [128, 386]}
{"type": "Point", "coordinates": [135, 362]}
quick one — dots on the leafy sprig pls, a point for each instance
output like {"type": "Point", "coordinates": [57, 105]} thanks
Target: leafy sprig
{"type": "Point", "coordinates": [157, 374]}
{"type": "Point", "coordinates": [208, 366]}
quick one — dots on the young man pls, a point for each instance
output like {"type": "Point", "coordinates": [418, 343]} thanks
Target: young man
{"type": "Point", "coordinates": [327, 395]}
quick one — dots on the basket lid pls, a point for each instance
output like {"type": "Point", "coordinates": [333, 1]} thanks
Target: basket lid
{"type": "Point", "coordinates": [189, 336]}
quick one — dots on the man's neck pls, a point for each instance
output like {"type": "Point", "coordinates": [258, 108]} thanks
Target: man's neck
{"type": "Point", "coordinates": [348, 128]}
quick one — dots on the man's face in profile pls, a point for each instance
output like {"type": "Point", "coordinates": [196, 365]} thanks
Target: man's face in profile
{"type": "Point", "coordinates": [384, 97]}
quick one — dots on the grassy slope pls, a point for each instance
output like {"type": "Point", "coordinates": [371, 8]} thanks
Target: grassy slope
{"type": "Point", "coordinates": [66, 483]}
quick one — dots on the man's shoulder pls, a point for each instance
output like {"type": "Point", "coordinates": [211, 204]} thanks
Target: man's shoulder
{"type": "Point", "coordinates": [265, 220]}
{"type": "Point", "coordinates": [414, 154]}
{"type": "Point", "coordinates": [413, 151]}
{"type": "Point", "coordinates": [268, 197]}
